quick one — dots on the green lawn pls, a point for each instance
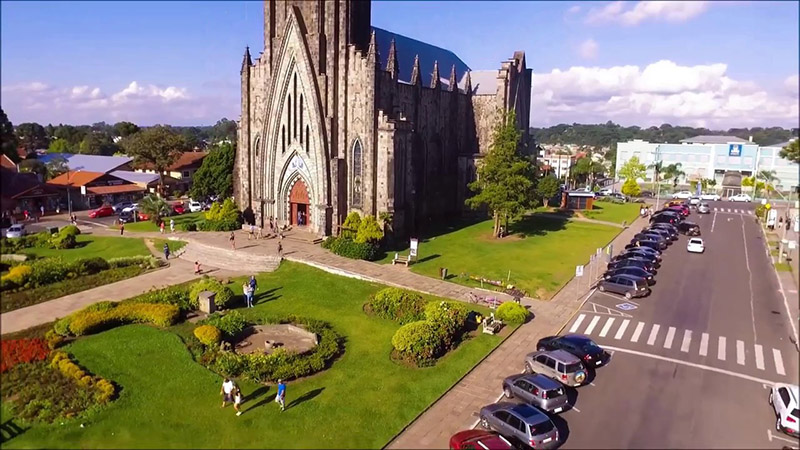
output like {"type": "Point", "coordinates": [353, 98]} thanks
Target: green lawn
{"type": "Point", "coordinates": [613, 212]}
{"type": "Point", "coordinates": [89, 246]}
{"type": "Point", "coordinates": [168, 400]}
{"type": "Point", "coordinates": [541, 254]}
{"type": "Point", "coordinates": [148, 225]}
{"type": "Point", "coordinates": [173, 245]}
{"type": "Point", "coordinates": [783, 267]}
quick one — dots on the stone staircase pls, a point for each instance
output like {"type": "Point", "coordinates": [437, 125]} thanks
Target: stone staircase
{"type": "Point", "coordinates": [227, 259]}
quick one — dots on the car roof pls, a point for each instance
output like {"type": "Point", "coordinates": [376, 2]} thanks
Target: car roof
{"type": "Point", "coordinates": [563, 356]}
{"type": "Point", "coordinates": [529, 414]}
{"type": "Point", "coordinates": [542, 381]}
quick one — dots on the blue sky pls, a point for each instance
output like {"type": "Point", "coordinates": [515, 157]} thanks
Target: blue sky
{"type": "Point", "coordinates": [720, 64]}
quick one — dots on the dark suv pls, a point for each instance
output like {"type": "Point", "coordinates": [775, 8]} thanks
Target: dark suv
{"type": "Point", "coordinates": [632, 262]}
{"type": "Point", "coordinates": [624, 285]}
{"type": "Point", "coordinates": [579, 345]}
{"type": "Point", "coordinates": [635, 253]}
{"type": "Point", "coordinates": [633, 271]}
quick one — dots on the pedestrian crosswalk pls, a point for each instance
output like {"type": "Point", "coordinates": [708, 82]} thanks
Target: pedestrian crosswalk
{"type": "Point", "coordinates": [747, 212]}
{"type": "Point", "coordinates": [675, 339]}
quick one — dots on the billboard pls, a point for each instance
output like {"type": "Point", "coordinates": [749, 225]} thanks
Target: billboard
{"type": "Point", "coordinates": [734, 149]}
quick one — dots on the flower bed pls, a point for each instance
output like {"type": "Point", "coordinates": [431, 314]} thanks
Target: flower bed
{"type": "Point", "coordinates": [19, 351]}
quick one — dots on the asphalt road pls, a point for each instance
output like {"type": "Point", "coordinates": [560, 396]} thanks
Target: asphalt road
{"type": "Point", "coordinates": [691, 360]}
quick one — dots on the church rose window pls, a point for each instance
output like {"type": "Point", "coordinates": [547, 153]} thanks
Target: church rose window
{"type": "Point", "coordinates": [357, 173]}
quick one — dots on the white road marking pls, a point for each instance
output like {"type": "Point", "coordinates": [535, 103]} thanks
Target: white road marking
{"type": "Point", "coordinates": [637, 332]}
{"type": "Point", "coordinates": [690, 364]}
{"type": "Point", "coordinates": [575, 409]}
{"type": "Point", "coordinates": [687, 340]}
{"type": "Point", "coordinates": [729, 210]}
{"type": "Point", "coordinates": [714, 221]}
{"type": "Point", "coordinates": [622, 329]}
{"type": "Point", "coordinates": [759, 357]}
{"type": "Point", "coordinates": [704, 344]}
{"type": "Point", "coordinates": [721, 349]}
{"type": "Point", "coordinates": [652, 339]}
{"type": "Point", "coordinates": [502, 394]}
{"type": "Point", "coordinates": [591, 326]}
{"type": "Point", "coordinates": [577, 323]}
{"type": "Point", "coordinates": [739, 352]}
{"type": "Point", "coordinates": [776, 355]}
{"type": "Point", "coordinates": [670, 337]}
{"type": "Point", "coordinates": [775, 436]}
{"type": "Point", "coordinates": [606, 327]}
{"type": "Point", "coordinates": [750, 281]}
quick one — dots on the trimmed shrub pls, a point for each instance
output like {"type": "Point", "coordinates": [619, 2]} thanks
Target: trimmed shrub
{"type": "Point", "coordinates": [104, 389]}
{"type": "Point", "coordinates": [65, 238]}
{"type": "Point", "coordinates": [369, 231]}
{"type": "Point", "coordinates": [16, 276]}
{"type": "Point", "coordinates": [188, 226]}
{"type": "Point", "coordinates": [351, 225]}
{"type": "Point", "coordinates": [208, 334]}
{"type": "Point", "coordinates": [349, 249]}
{"type": "Point", "coordinates": [173, 295]}
{"type": "Point", "coordinates": [54, 340]}
{"type": "Point", "coordinates": [328, 242]}
{"type": "Point", "coordinates": [70, 230]}
{"type": "Point", "coordinates": [231, 323]}
{"type": "Point", "coordinates": [145, 262]}
{"type": "Point", "coordinates": [222, 217]}
{"type": "Point", "coordinates": [49, 270]}
{"type": "Point", "coordinates": [221, 300]}
{"type": "Point", "coordinates": [449, 320]}
{"type": "Point", "coordinates": [512, 312]}
{"type": "Point", "coordinates": [397, 304]}
{"type": "Point", "coordinates": [86, 321]}
{"type": "Point", "coordinates": [89, 266]}
{"type": "Point", "coordinates": [418, 342]}
{"type": "Point", "coordinates": [209, 225]}
{"type": "Point", "coordinates": [61, 327]}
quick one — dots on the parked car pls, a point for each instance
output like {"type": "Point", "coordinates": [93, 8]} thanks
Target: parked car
{"type": "Point", "coordinates": [121, 205]}
{"type": "Point", "coordinates": [710, 196]}
{"type": "Point", "coordinates": [195, 206]}
{"type": "Point", "coordinates": [479, 439]}
{"type": "Point", "coordinates": [579, 345]}
{"type": "Point", "coordinates": [605, 191]}
{"type": "Point", "coordinates": [664, 218]}
{"type": "Point", "coordinates": [633, 253]}
{"type": "Point", "coordinates": [652, 236]}
{"type": "Point", "coordinates": [632, 271]}
{"type": "Point", "coordinates": [659, 244]}
{"type": "Point", "coordinates": [695, 245]}
{"type": "Point", "coordinates": [645, 243]}
{"type": "Point", "coordinates": [683, 210]}
{"type": "Point", "coordinates": [689, 228]}
{"type": "Point", "coordinates": [693, 200]}
{"type": "Point", "coordinates": [619, 196]}
{"type": "Point", "coordinates": [784, 399]}
{"type": "Point", "coordinates": [664, 232]}
{"type": "Point", "coordinates": [16, 231]}
{"type": "Point", "coordinates": [102, 211]}
{"type": "Point", "coordinates": [126, 216]}
{"type": "Point", "coordinates": [632, 262]}
{"type": "Point", "coordinates": [142, 216]}
{"type": "Point", "coordinates": [703, 208]}
{"type": "Point", "coordinates": [652, 251]}
{"type": "Point", "coordinates": [673, 230]}
{"type": "Point", "coordinates": [674, 202]}
{"type": "Point", "coordinates": [538, 390]}
{"type": "Point", "coordinates": [682, 195]}
{"type": "Point", "coordinates": [557, 364]}
{"type": "Point", "coordinates": [668, 212]}
{"type": "Point", "coordinates": [625, 285]}
{"type": "Point", "coordinates": [646, 194]}
{"type": "Point", "coordinates": [522, 423]}
{"type": "Point", "coordinates": [130, 207]}
{"type": "Point", "coordinates": [740, 198]}
{"type": "Point", "coordinates": [178, 208]}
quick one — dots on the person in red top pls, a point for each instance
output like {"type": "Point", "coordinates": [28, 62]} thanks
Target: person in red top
{"type": "Point", "coordinates": [162, 227]}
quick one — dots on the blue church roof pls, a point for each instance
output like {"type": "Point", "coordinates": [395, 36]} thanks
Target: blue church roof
{"type": "Point", "coordinates": [408, 48]}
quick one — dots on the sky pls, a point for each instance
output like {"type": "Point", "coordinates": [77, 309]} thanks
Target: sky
{"type": "Point", "coordinates": [714, 64]}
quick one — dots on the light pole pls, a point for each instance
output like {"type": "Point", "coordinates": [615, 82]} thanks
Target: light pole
{"type": "Point", "coordinates": [69, 187]}
{"type": "Point", "coordinates": [657, 173]}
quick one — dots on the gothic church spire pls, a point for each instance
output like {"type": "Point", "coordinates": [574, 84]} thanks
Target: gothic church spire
{"type": "Point", "coordinates": [468, 83]}
{"type": "Point", "coordinates": [453, 81]}
{"type": "Point", "coordinates": [247, 62]}
{"type": "Point", "coordinates": [415, 72]}
{"type": "Point", "coordinates": [436, 81]}
{"type": "Point", "coordinates": [391, 64]}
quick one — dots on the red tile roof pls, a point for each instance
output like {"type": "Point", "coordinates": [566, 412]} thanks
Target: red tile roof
{"type": "Point", "coordinates": [75, 178]}
{"type": "Point", "coordinates": [118, 189]}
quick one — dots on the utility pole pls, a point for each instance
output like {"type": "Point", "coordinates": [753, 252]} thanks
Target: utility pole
{"type": "Point", "coordinates": [656, 159]}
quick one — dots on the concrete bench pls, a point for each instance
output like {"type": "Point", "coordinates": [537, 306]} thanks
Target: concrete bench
{"type": "Point", "coordinates": [402, 259]}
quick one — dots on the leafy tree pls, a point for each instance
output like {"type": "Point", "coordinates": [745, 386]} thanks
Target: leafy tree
{"type": "Point", "coordinates": [633, 169]}
{"type": "Point", "coordinates": [586, 169]}
{"type": "Point", "coordinates": [8, 139]}
{"type": "Point", "coordinates": [73, 135]}
{"type": "Point", "coordinates": [224, 130]}
{"type": "Point", "coordinates": [711, 182]}
{"type": "Point", "coordinates": [97, 143]}
{"type": "Point", "coordinates": [125, 129]}
{"type": "Point", "coordinates": [158, 146]}
{"type": "Point", "coordinates": [215, 175]}
{"type": "Point", "coordinates": [369, 230]}
{"type": "Point", "coordinates": [46, 171]}
{"type": "Point", "coordinates": [59, 146]}
{"type": "Point", "coordinates": [154, 206]}
{"type": "Point", "coordinates": [631, 188]}
{"type": "Point", "coordinates": [791, 151]}
{"type": "Point", "coordinates": [505, 177]}
{"type": "Point", "coordinates": [673, 172]}
{"type": "Point", "coordinates": [351, 225]}
{"type": "Point", "coordinates": [769, 180]}
{"type": "Point", "coordinates": [547, 188]}
{"type": "Point", "coordinates": [223, 212]}
{"type": "Point", "coordinates": [32, 136]}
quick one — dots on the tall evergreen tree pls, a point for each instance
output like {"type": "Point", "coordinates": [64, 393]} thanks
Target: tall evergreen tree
{"type": "Point", "coordinates": [8, 139]}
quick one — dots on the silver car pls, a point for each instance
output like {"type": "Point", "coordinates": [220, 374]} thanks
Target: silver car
{"type": "Point", "coordinates": [539, 390]}
{"type": "Point", "coordinates": [557, 364]}
{"type": "Point", "coordinates": [703, 208]}
{"type": "Point", "coordinates": [520, 422]}
{"type": "Point", "coordinates": [16, 231]}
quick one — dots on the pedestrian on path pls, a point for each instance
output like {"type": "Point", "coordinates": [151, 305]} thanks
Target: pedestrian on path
{"type": "Point", "coordinates": [237, 401]}
{"type": "Point", "coordinates": [162, 227]}
{"type": "Point", "coordinates": [248, 295]}
{"type": "Point", "coordinates": [171, 225]}
{"type": "Point", "coordinates": [252, 232]}
{"type": "Point", "coordinates": [122, 228]}
{"type": "Point", "coordinates": [226, 391]}
{"type": "Point", "coordinates": [280, 249]}
{"type": "Point", "coordinates": [253, 288]}
{"type": "Point", "coordinates": [41, 208]}
{"type": "Point", "coordinates": [258, 233]}
{"type": "Point", "coordinates": [197, 270]}
{"type": "Point", "coordinates": [281, 396]}
{"type": "Point", "coordinates": [166, 251]}
{"type": "Point", "coordinates": [233, 240]}
{"type": "Point", "coordinates": [271, 225]}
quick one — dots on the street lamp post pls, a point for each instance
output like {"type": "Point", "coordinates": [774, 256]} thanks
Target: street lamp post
{"type": "Point", "coordinates": [69, 188]}
{"type": "Point", "coordinates": [656, 159]}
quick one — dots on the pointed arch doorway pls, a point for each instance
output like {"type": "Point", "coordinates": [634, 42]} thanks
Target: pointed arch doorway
{"type": "Point", "coordinates": [299, 204]}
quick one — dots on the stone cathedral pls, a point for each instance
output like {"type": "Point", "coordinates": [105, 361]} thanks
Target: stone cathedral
{"type": "Point", "coordinates": [340, 116]}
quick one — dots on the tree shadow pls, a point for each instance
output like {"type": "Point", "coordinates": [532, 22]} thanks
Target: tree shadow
{"type": "Point", "coordinates": [266, 296]}
{"type": "Point", "coordinates": [431, 232]}
{"type": "Point", "coordinates": [9, 430]}
{"type": "Point", "coordinates": [429, 257]}
{"type": "Point", "coordinates": [538, 225]}
{"type": "Point", "coordinates": [257, 393]}
{"type": "Point", "coordinates": [305, 397]}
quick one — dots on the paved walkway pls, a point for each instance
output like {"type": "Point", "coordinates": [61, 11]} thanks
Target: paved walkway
{"type": "Point", "coordinates": [578, 217]}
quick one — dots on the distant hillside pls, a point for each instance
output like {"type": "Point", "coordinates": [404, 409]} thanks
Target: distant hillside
{"type": "Point", "coordinates": [608, 134]}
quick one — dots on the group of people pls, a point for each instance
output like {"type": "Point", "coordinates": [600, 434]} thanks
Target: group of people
{"type": "Point", "coordinates": [162, 226]}
{"type": "Point", "coordinates": [231, 393]}
{"type": "Point", "coordinates": [249, 288]}
{"type": "Point", "coordinates": [645, 211]}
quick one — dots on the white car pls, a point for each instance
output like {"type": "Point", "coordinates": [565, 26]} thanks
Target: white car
{"type": "Point", "coordinates": [195, 206]}
{"type": "Point", "coordinates": [131, 208]}
{"type": "Point", "coordinates": [740, 198]}
{"type": "Point", "coordinates": [783, 397]}
{"type": "Point", "coordinates": [695, 245]}
{"type": "Point", "coordinates": [694, 201]}
{"type": "Point", "coordinates": [605, 191]}
{"type": "Point", "coordinates": [16, 231]}
{"type": "Point", "coordinates": [710, 196]}
{"type": "Point", "coordinates": [683, 195]}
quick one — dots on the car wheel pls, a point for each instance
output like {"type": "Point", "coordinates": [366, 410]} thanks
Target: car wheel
{"type": "Point", "coordinates": [485, 423]}
{"type": "Point", "coordinates": [601, 288]}
{"type": "Point", "coordinates": [528, 369]}
{"type": "Point", "coordinates": [628, 295]}
{"type": "Point", "coordinates": [507, 393]}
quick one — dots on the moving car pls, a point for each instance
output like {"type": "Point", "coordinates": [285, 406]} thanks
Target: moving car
{"type": "Point", "coordinates": [682, 195]}
{"type": "Point", "coordinates": [625, 285]}
{"type": "Point", "coordinates": [632, 262]}
{"type": "Point", "coordinates": [16, 231]}
{"type": "Point", "coordinates": [784, 399]}
{"type": "Point", "coordinates": [478, 440]}
{"type": "Point", "coordinates": [689, 228]}
{"type": "Point", "coordinates": [195, 206]}
{"type": "Point", "coordinates": [102, 211]}
{"type": "Point", "coordinates": [121, 205]}
{"type": "Point", "coordinates": [710, 196]}
{"type": "Point", "coordinates": [538, 390]}
{"type": "Point", "coordinates": [632, 271]}
{"type": "Point", "coordinates": [522, 423]}
{"type": "Point", "coordinates": [703, 208]}
{"type": "Point", "coordinates": [579, 345]}
{"type": "Point", "coordinates": [557, 364]}
{"type": "Point", "coordinates": [693, 200]}
{"type": "Point", "coordinates": [695, 245]}
{"type": "Point", "coordinates": [740, 198]}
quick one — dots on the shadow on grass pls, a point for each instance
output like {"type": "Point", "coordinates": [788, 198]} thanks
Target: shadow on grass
{"type": "Point", "coordinates": [262, 390]}
{"type": "Point", "coordinates": [267, 296]}
{"type": "Point", "coordinates": [305, 397]}
{"type": "Point", "coordinates": [431, 233]}
{"type": "Point", "coordinates": [9, 430]}
{"type": "Point", "coordinates": [538, 225]}
{"type": "Point", "coordinates": [429, 257]}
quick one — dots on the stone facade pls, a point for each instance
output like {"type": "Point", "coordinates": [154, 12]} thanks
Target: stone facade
{"type": "Point", "coordinates": [328, 126]}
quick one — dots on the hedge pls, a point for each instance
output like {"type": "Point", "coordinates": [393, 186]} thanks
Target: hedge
{"type": "Point", "coordinates": [173, 295]}
{"type": "Point", "coordinates": [221, 300]}
{"type": "Point", "coordinates": [40, 239]}
{"type": "Point", "coordinates": [512, 312]}
{"type": "Point", "coordinates": [104, 389]}
{"type": "Point", "coordinates": [231, 323]}
{"type": "Point", "coordinates": [145, 262]}
{"type": "Point", "coordinates": [397, 304]}
{"type": "Point", "coordinates": [208, 334]}
{"type": "Point", "coordinates": [423, 341]}
{"type": "Point", "coordinates": [108, 315]}
{"type": "Point", "coordinates": [348, 248]}
{"type": "Point", "coordinates": [188, 226]}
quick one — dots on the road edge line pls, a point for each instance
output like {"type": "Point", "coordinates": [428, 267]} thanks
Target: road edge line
{"type": "Point", "coordinates": [765, 241]}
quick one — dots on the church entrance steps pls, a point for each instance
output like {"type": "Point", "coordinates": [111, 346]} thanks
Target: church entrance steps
{"type": "Point", "coordinates": [240, 260]}
{"type": "Point", "coordinates": [300, 235]}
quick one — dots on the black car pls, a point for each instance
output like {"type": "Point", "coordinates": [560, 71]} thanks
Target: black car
{"type": "Point", "coordinates": [652, 236]}
{"type": "Point", "coordinates": [632, 262]}
{"type": "Point", "coordinates": [665, 226]}
{"type": "Point", "coordinates": [670, 213]}
{"type": "Point", "coordinates": [653, 245]}
{"type": "Point", "coordinates": [664, 218]}
{"type": "Point", "coordinates": [126, 216]}
{"type": "Point", "coordinates": [659, 244]}
{"type": "Point", "coordinates": [689, 229]}
{"type": "Point", "coordinates": [646, 194]}
{"type": "Point", "coordinates": [579, 345]}
{"type": "Point", "coordinates": [632, 271]}
{"type": "Point", "coordinates": [633, 253]}
{"type": "Point", "coordinates": [625, 285]}
{"type": "Point", "coordinates": [664, 232]}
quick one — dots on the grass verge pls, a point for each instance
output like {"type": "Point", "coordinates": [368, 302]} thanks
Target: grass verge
{"type": "Point", "coordinates": [88, 246]}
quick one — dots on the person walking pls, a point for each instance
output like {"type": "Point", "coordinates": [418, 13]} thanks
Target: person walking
{"type": "Point", "coordinates": [166, 251]}
{"type": "Point", "coordinates": [122, 228]}
{"type": "Point", "coordinates": [259, 234]}
{"type": "Point", "coordinates": [162, 227]}
{"type": "Point", "coordinates": [232, 239]}
{"type": "Point", "coordinates": [41, 208]}
{"type": "Point", "coordinates": [280, 249]}
{"type": "Point", "coordinates": [197, 270]}
{"type": "Point", "coordinates": [171, 225]}
{"type": "Point", "coordinates": [281, 396]}
{"type": "Point", "coordinates": [271, 225]}
{"type": "Point", "coordinates": [252, 232]}
{"type": "Point", "coordinates": [253, 288]}
{"type": "Point", "coordinates": [237, 401]}
{"type": "Point", "coordinates": [226, 391]}
{"type": "Point", "coordinates": [248, 295]}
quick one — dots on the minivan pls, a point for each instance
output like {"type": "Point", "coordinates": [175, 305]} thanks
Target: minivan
{"type": "Point", "coordinates": [625, 285]}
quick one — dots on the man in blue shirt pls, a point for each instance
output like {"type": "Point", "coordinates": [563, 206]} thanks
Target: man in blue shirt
{"type": "Point", "coordinates": [253, 288]}
{"type": "Point", "coordinates": [281, 397]}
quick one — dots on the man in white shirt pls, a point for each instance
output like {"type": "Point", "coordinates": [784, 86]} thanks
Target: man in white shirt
{"type": "Point", "coordinates": [227, 391]}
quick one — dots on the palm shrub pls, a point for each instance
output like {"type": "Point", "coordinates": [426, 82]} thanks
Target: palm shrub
{"type": "Point", "coordinates": [154, 206]}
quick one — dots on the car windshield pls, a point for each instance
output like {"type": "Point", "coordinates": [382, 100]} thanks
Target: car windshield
{"type": "Point", "coordinates": [553, 393]}
{"type": "Point", "coordinates": [542, 427]}
{"type": "Point", "coordinates": [695, 241]}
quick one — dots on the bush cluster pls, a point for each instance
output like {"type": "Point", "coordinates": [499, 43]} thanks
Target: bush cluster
{"type": "Point", "coordinates": [65, 238]}
{"type": "Point", "coordinates": [512, 312]}
{"type": "Point", "coordinates": [222, 217]}
{"type": "Point", "coordinates": [231, 323]}
{"type": "Point", "coordinates": [221, 300]}
{"type": "Point", "coordinates": [188, 226]}
{"type": "Point", "coordinates": [423, 341]}
{"type": "Point", "coordinates": [145, 262]}
{"type": "Point", "coordinates": [21, 351]}
{"type": "Point", "coordinates": [16, 276]}
{"type": "Point", "coordinates": [397, 304]}
{"type": "Point", "coordinates": [104, 389]}
{"type": "Point", "coordinates": [38, 240]}
{"type": "Point", "coordinates": [106, 315]}
{"type": "Point", "coordinates": [208, 335]}
{"type": "Point", "coordinates": [172, 295]}
{"type": "Point", "coordinates": [348, 248]}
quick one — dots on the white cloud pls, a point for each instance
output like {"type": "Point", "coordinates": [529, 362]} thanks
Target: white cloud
{"type": "Point", "coordinates": [574, 9]}
{"type": "Point", "coordinates": [588, 49]}
{"type": "Point", "coordinates": [660, 92]}
{"type": "Point", "coordinates": [792, 84]}
{"type": "Point", "coordinates": [667, 11]}
{"type": "Point", "coordinates": [144, 104]}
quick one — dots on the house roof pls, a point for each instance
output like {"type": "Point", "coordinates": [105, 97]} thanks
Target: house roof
{"type": "Point", "coordinates": [118, 189]}
{"type": "Point", "coordinates": [6, 162]}
{"type": "Point", "coordinates": [89, 163]}
{"type": "Point", "coordinates": [707, 139]}
{"type": "Point", "coordinates": [135, 177]}
{"type": "Point", "coordinates": [186, 159]}
{"type": "Point", "coordinates": [13, 183]}
{"type": "Point", "coordinates": [76, 178]}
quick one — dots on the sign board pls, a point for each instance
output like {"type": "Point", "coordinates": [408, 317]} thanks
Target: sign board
{"type": "Point", "coordinates": [414, 246]}
{"type": "Point", "coordinates": [578, 271]}
{"type": "Point", "coordinates": [83, 190]}
{"type": "Point", "coordinates": [735, 150]}
{"type": "Point", "coordinates": [626, 306]}
{"type": "Point", "coordinates": [763, 201]}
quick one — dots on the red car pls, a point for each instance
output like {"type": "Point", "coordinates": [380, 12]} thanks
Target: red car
{"type": "Point", "coordinates": [178, 208]}
{"type": "Point", "coordinates": [479, 439]}
{"type": "Point", "coordinates": [102, 211]}
{"type": "Point", "coordinates": [143, 216]}
{"type": "Point", "coordinates": [683, 209]}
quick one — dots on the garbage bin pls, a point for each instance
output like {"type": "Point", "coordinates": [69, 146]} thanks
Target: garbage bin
{"type": "Point", "coordinates": [444, 273]}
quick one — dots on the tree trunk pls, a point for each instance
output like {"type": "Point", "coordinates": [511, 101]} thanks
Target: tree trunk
{"type": "Point", "coordinates": [496, 232]}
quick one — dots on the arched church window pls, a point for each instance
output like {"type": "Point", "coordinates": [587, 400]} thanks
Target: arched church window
{"type": "Point", "coordinates": [307, 144]}
{"type": "Point", "coordinates": [357, 162]}
{"type": "Point", "coordinates": [294, 110]}
{"type": "Point", "coordinates": [289, 116]}
{"type": "Point", "coordinates": [301, 118]}
{"type": "Point", "coordinates": [256, 145]}
{"type": "Point", "coordinates": [283, 139]}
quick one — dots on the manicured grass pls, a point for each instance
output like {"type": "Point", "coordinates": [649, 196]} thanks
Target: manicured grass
{"type": "Point", "coordinates": [173, 245]}
{"type": "Point", "coordinates": [89, 246]}
{"type": "Point", "coordinates": [541, 253]}
{"type": "Point", "coordinates": [149, 225]}
{"type": "Point", "coordinates": [783, 267]}
{"type": "Point", "coordinates": [613, 212]}
{"type": "Point", "coordinates": [168, 400]}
